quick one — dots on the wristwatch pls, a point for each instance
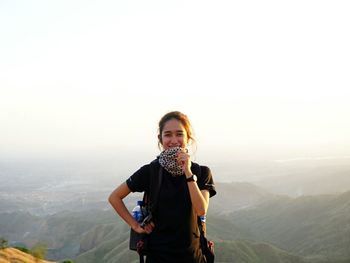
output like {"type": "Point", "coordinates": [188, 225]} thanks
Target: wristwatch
{"type": "Point", "coordinates": [192, 178]}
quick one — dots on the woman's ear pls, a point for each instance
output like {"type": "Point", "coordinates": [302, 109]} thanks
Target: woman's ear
{"type": "Point", "coordinates": [160, 138]}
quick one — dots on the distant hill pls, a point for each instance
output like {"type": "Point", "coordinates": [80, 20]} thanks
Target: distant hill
{"type": "Point", "coordinates": [12, 255]}
{"type": "Point", "coordinates": [61, 232]}
{"type": "Point", "coordinates": [236, 196]}
{"type": "Point", "coordinates": [313, 226]}
{"type": "Point", "coordinates": [252, 252]}
{"type": "Point", "coordinates": [112, 245]}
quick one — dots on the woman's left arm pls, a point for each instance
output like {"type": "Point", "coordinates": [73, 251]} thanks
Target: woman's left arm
{"type": "Point", "coordinates": [199, 198]}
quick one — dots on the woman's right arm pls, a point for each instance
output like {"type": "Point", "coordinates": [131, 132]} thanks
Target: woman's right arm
{"type": "Point", "coordinates": [116, 200]}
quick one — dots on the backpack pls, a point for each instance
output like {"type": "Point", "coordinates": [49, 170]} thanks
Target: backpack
{"type": "Point", "coordinates": [138, 242]}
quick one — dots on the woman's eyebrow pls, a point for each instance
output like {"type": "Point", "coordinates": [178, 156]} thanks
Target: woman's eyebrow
{"type": "Point", "coordinates": [177, 131]}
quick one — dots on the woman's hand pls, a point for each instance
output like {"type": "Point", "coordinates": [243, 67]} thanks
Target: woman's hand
{"type": "Point", "coordinates": [147, 229]}
{"type": "Point", "coordinates": [184, 159]}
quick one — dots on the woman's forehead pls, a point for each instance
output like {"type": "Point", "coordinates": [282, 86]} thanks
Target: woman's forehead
{"type": "Point", "coordinates": [173, 125]}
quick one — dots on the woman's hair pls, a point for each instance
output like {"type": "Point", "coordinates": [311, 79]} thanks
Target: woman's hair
{"type": "Point", "coordinates": [182, 118]}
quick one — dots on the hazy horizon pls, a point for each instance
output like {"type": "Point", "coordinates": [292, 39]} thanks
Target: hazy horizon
{"type": "Point", "coordinates": [114, 168]}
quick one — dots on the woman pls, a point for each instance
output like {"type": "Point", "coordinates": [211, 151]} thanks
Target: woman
{"type": "Point", "coordinates": [183, 196]}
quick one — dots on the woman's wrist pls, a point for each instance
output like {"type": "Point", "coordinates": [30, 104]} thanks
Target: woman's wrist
{"type": "Point", "coordinates": [134, 225]}
{"type": "Point", "coordinates": [188, 174]}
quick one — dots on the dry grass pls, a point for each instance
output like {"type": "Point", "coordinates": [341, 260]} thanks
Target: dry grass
{"type": "Point", "coordinates": [12, 255]}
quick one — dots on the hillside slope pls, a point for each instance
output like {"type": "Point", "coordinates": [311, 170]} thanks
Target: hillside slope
{"type": "Point", "coordinates": [306, 226]}
{"type": "Point", "coordinates": [306, 229]}
{"type": "Point", "coordinates": [236, 196]}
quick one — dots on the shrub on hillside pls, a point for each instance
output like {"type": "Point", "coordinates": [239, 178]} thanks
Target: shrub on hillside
{"type": "Point", "coordinates": [3, 243]}
{"type": "Point", "coordinates": [39, 251]}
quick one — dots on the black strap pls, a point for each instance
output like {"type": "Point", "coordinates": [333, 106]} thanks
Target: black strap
{"type": "Point", "coordinates": [150, 197]}
{"type": "Point", "coordinates": [156, 176]}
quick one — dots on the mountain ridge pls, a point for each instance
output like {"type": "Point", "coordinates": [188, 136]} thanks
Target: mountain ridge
{"type": "Point", "coordinates": [303, 229]}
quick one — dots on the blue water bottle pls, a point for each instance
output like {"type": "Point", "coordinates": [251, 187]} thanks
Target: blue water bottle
{"type": "Point", "coordinates": [135, 237]}
{"type": "Point", "coordinates": [137, 212]}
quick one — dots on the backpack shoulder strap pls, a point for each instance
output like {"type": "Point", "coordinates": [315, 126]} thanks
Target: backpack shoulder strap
{"type": "Point", "coordinates": [156, 176]}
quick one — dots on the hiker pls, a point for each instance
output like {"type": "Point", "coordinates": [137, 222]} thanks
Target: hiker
{"type": "Point", "coordinates": [173, 233]}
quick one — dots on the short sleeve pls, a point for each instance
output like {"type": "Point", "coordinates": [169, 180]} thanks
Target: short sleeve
{"type": "Point", "coordinates": [205, 181]}
{"type": "Point", "coordinates": [139, 181]}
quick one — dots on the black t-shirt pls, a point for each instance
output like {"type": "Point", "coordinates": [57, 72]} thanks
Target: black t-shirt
{"type": "Point", "coordinates": [175, 237]}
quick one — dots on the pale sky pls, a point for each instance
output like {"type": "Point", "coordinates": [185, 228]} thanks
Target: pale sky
{"type": "Point", "coordinates": [255, 77]}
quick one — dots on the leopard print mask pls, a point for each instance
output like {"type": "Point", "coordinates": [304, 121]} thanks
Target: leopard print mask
{"type": "Point", "coordinates": [167, 160]}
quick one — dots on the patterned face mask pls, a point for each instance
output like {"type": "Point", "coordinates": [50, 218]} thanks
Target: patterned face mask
{"type": "Point", "coordinates": [167, 160]}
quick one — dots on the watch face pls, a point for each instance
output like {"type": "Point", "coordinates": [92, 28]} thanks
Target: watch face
{"type": "Point", "coordinates": [195, 178]}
